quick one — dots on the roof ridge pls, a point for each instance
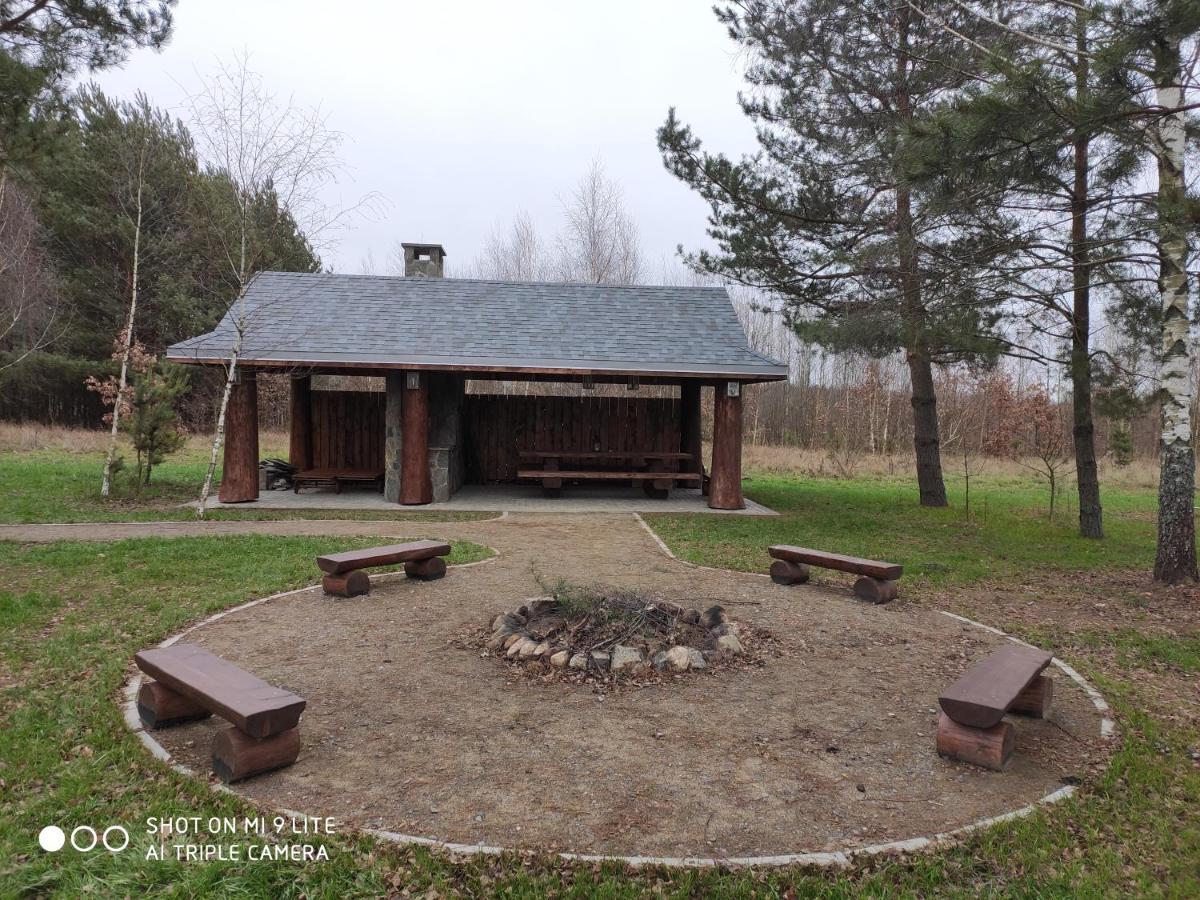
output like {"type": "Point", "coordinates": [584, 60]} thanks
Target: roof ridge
{"type": "Point", "coordinates": [559, 284]}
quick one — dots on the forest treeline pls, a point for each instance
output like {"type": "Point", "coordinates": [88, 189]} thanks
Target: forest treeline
{"type": "Point", "coordinates": [97, 193]}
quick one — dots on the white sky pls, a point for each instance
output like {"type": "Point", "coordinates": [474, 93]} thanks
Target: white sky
{"type": "Point", "coordinates": [461, 113]}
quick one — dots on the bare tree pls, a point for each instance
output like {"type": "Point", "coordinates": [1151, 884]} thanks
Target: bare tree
{"type": "Point", "coordinates": [513, 254]}
{"type": "Point", "coordinates": [263, 144]}
{"type": "Point", "coordinates": [28, 300]}
{"type": "Point", "coordinates": [600, 242]}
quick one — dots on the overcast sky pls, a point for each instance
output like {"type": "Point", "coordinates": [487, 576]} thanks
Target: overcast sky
{"type": "Point", "coordinates": [460, 113]}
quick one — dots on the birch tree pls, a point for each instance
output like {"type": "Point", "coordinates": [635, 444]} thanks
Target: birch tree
{"type": "Point", "coordinates": [266, 148]}
{"type": "Point", "coordinates": [1175, 560]}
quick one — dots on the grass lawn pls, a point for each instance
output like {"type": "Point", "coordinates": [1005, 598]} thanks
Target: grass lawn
{"type": "Point", "coordinates": [1007, 534]}
{"type": "Point", "coordinates": [73, 613]}
{"type": "Point", "coordinates": [57, 486]}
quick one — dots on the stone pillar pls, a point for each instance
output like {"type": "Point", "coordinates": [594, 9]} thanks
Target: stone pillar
{"type": "Point", "coordinates": [725, 489]}
{"type": "Point", "coordinates": [446, 463]}
{"type": "Point", "coordinates": [416, 488]}
{"type": "Point", "coordinates": [300, 452]}
{"type": "Point", "coordinates": [239, 475]}
{"type": "Point", "coordinates": [393, 429]}
{"type": "Point", "coordinates": [689, 425]}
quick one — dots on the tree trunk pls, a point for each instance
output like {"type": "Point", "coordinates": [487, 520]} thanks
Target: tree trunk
{"type": "Point", "coordinates": [1087, 475]}
{"type": "Point", "coordinates": [106, 480]}
{"type": "Point", "coordinates": [926, 441]}
{"type": "Point", "coordinates": [1176, 558]}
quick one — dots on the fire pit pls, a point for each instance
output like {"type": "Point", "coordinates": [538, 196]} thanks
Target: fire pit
{"type": "Point", "coordinates": [616, 633]}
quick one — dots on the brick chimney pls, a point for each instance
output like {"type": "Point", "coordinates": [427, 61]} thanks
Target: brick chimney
{"type": "Point", "coordinates": [423, 260]}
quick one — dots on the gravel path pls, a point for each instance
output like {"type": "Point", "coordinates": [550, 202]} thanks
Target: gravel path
{"type": "Point", "coordinates": [408, 729]}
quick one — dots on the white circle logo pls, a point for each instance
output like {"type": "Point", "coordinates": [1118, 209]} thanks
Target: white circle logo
{"type": "Point", "coordinates": [52, 838]}
{"type": "Point", "coordinates": [86, 829]}
{"type": "Point", "coordinates": [124, 838]}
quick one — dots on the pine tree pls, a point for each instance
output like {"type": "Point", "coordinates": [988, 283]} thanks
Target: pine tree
{"type": "Point", "coordinates": [822, 214]}
{"type": "Point", "coordinates": [1045, 137]}
{"type": "Point", "coordinates": [152, 425]}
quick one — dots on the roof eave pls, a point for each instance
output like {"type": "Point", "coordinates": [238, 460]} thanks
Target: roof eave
{"type": "Point", "coordinates": [497, 367]}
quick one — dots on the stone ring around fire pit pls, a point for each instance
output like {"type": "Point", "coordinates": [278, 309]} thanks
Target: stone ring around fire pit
{"type": "Point", "coordinates": [618, 633]}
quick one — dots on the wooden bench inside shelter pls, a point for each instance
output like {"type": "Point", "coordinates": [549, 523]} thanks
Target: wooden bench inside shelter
{"type": "Point", "coordinates": [344, 575]}
{"type": "Point", "coordinates": [971, 725]}
{"type": "Point", "coordinates": [656, 471]}
{"type": "Point", "coordinates": [336, 478]}
{"type": "Point", "coordinates": [877, 583]}
{"type": "Point", "coordinates": [190, 683]}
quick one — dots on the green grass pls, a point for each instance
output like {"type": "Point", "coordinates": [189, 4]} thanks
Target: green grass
{"type": "Point", "coordinates": [54, 486]}
{"type": "Point", "coordinates": [1008, 532]}
{"type": "Point", "coordinates": [73, 613]}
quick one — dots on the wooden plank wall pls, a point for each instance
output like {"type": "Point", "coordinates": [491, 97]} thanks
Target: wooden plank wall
{"type": "Point", "coordinates": [497, 428]}
{"type": "Point", "coordinates": [348, 429]}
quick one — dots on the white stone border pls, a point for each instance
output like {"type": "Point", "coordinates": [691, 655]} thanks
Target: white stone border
{"type": "Point", "coordinates": [838, 858]}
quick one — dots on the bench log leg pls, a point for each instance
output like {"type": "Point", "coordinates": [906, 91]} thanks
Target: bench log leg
{"type": "Point", "coordinates": [236, 755]}
{"type": "Point", "coordinates": [873, 590]}
{"type": "Point", "coordinates": [990, 748]}
{"type": "Point", "coordinates": [160, 707]}
{"type": "Point", "coordinates": [347, 584]}
{"type": "Point", "coordinates": [1035, 699]}
{"type": "Point", "coordinates": [784, 572]}
{"type": "Point", "coordinates": [426, 569]}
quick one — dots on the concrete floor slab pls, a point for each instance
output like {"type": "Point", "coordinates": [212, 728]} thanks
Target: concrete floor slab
{"type": "Point", "coordinates": [602, 498]}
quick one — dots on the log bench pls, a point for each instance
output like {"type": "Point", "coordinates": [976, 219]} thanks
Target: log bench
{"type": "Point", "coordinates": [971, 725]}
{"type": "Point", "coordinates": [191, 683]}
{"type": "Point", "coordinates": [344, 575]}
{"type": "Point", "coordinates": [336, 478]}
{"type": "Point", "coordinates": [877, 583]}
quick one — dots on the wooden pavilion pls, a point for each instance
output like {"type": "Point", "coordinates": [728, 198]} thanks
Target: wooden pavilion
{"type": "Point", "coordinates": [423, 434]}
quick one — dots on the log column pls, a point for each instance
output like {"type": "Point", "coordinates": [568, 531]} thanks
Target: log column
{"type": "Point", "coordinates": [725, 488]}
{"type": "Point", "coordinates": [239, 477]}
{"type": "Point", "coordinates": [300, 443]}
{"type": "Point", "coordinates": [689, 424]}
{"type": "Point", "coordinates": [416, 487]}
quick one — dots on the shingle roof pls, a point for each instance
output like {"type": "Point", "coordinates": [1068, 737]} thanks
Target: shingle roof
{"type": "Point", "coordinates": [393, 322]}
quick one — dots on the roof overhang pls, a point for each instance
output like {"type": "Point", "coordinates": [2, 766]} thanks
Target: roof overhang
{"type": "Point", "coordinates": [482, 367]}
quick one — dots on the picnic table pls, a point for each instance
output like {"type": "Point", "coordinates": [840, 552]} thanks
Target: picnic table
{"type": "Point", "coordinates": [655, 470]}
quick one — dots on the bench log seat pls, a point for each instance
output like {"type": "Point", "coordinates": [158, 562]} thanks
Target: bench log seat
{"type": "Point", "coordinates": [971, 724]}
{"type": "Point", "coordinates": [191, 683]}
{"type": "Point", "coordinates": [336, 478]}
{"type": "Point", "coordinates": [344, 575]}
{"type": "Point", "coordinates": [877, 583]}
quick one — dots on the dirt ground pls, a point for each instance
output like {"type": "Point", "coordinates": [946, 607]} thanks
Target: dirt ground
{"type": "Point", "coordinates": [829, 745]}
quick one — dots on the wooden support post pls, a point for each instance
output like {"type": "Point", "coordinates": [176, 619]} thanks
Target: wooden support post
{"type": "Point", "coordinates": [725, 488]}
{"type": "Point", "coordinates": [784, 572]}
{"type": "Point", "coordinates": [875, 590]}
{"type": "Point", "coordinates": [416, 487]}
{"type": "Point", "coordinates": [689, 425]}
{"type": "Point", "coordinates": [987, 747]}
{"type": "Point", "coordinates": [300, 452]}
{"type": "Point", "coordinates": [426, 569]}
{"type": "Point", "coordinates": [1035, 699]}
{"type": "Point", "coordinates": [239, 476]}
{"type": "Point", "coordinates": [347, 584]}
{"type": "Point", "coordinates": [160, 707]}
{"type": "Point", "coordinates": [236, 755]}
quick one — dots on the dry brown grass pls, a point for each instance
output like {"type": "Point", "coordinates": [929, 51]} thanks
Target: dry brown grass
{"type": "Point", "coordinates": [1141, 474]}
{"type": "Point", "coordinates": [27, 437]}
